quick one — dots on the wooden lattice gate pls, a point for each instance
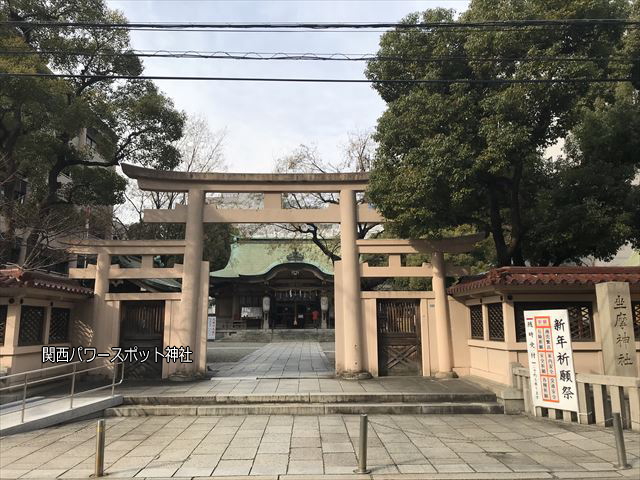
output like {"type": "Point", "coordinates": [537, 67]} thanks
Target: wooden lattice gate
{"type": "Point", "coordinates": [142, 326]}
{"type": "Point", "coordinates": [399, 349]}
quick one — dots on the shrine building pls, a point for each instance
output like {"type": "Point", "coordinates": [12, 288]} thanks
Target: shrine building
{"type": "Point", "coordinates": [293, 276]}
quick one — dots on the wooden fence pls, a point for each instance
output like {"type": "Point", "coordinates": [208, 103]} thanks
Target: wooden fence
{"type": "Point", "coordinates": [598, 397]}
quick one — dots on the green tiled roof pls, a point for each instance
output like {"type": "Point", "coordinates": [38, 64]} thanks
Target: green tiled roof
{"type": "Point", "coordinates": [257, 257]}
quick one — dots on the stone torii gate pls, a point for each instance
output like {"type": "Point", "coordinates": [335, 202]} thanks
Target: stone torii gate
{"type": "Point", "coordinates": [347, 214]}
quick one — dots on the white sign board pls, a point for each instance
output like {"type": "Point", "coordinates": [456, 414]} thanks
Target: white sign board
{"type": "Point", "coordinates": [250, 312]}
{"type": "Point", "coordinates": [211, 327]}
{"type": "Point", "coordinates": [553, 379]}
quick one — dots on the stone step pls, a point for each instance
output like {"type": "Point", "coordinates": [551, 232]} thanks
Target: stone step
{"type": "Point", "coordinates": [311, 398]}
{"type": "Point", "coordinates": [280, 335]}
{"type": "Point", "coordinates": [307, 409]}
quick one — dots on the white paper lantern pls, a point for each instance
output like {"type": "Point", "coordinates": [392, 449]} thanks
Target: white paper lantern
{"type": "Point", "coordinates": [324, 303]}
{"type": "Point", "coordinates": [266, 304]}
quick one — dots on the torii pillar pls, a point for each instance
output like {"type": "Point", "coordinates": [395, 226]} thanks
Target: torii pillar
{"type": "Point", "coordinates": [443, 324]}
{"type": "Point", "coordinates": [351, 302]}
{"type": "Point", "coordinates": [190, 300]}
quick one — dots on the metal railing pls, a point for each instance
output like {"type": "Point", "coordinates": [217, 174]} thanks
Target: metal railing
{"type": "Point", "coordinates": [26, 383]}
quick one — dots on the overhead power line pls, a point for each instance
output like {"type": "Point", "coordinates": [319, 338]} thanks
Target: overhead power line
{"type": "Point", "coordinates": [581, 22]}
{"type": "Point", "coordinates": [301, 1]}
{"type": "Point", "coordinates": [323, 80]}
{"type": "Point", "coordinates": [326, 30]}
{"type": "Point", "coordinates": [354, 57]}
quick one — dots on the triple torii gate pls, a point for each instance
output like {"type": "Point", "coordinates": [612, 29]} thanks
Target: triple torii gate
{"type": "Point", "coordinates": [347, 214]}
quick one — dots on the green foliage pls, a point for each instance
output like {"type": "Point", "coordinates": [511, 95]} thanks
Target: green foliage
{"type": "Point", "coordinates": [217, 239]}
{"type": "Point", "coordinates": [147, 123]}
{"type": "Point", "coordinates": [41, 119]}
{"type": "Point", "coordinates": [94, 186]}
{"type": "Point", "coordinates": [588, 202]}
{"type": "Point", "coordinates": [475, 153]}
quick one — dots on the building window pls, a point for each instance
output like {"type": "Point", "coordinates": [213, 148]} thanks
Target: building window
{"type": "Point", "coordinates": [635, 311]}
{"type": "Point", "coordinates": [31, 326]}
{"type": "Point", "coordinates": [19, 190]}
{"type": "Point", "coordinates": [496, 322]}
{"type": "Point", "coordinates": [477, 324]}
{"type": "Point", "coordinates": [3, 323]}
{"type": "Point", "coordinates": [59, 326]}
{"type": "Point", "coordinates": [580, 318]}
{"type": "Point", "coordinates": [91, 143]}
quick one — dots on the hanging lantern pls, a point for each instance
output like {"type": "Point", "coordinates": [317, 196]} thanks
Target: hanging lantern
{"type": "Point", "coordinates": [324, 303]}
{"type": "Point", "coordinates": [266, 304]}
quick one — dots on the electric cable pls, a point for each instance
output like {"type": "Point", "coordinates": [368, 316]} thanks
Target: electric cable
{"type": "Point", "coordinates": [440, 81]}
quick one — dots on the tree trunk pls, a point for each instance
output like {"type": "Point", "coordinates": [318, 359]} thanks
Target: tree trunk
{"type": "Point", "coordinates": [9, 213]}
{"type": "Point", "coordinates": [8, 184]}
{"type": "Point", "coordinates": [502, 251]}
{"type": "Point", "coordinates": [44, 208]}
{"type": "Point", "coordinates": [517, 231]}
{"type": "Point", "coordinates": [320, 244]}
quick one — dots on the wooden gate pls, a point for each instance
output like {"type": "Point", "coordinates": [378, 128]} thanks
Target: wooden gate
{"type": "Point", "coordinates": [142, 326]}
{"type": "Point", "coordinates": [399, 349]}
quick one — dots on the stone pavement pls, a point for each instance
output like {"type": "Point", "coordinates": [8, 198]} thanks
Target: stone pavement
{"type": "Point", "coordinates": [275, 386]}
{"type": "Point", "coordinates": [290, 368]}
{"type": "Point", "coordinates": [404, 447]}
{"type": "Point", "coordinates": [279, 359]}
{"type": "Point", "coordinates": [227, 352]}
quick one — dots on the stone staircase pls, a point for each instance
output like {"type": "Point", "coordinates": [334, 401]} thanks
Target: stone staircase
{"type": "Point", "coordinates": [280, 335]}
{"type": "Point", "coordinates": [309, 404]}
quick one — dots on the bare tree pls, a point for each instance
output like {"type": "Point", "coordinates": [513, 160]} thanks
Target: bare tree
{"type": "Point", "coordinates": [201, 150]}
{"type": "Point", "coordinates": [359, 151]}
{"type": "Point", "coordinates": [357, 156]}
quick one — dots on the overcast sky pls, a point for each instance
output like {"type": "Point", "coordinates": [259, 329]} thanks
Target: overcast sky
{"type": "Point", "coordinates": [267, 120]}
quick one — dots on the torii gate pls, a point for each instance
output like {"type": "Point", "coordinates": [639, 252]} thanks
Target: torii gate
{"type": "Point", "coordinates": [347, 214]}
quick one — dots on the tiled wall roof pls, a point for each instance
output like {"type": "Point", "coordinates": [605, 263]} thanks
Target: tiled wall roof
{"type": "Point", "coordinates": [18, 278]}
{"type": "Point", "coordinates": [507, 276]}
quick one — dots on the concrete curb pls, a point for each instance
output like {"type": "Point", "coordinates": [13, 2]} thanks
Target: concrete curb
{"type": "Point", "coordinates": [306, 409]}
{"type": "Point", "coordinates": [308, 398]}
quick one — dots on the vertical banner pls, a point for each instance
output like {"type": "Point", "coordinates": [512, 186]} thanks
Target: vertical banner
{"type": "Point", "coordinates": [211, 327]}
{"type": "Point", "coordinates": [552, 376]}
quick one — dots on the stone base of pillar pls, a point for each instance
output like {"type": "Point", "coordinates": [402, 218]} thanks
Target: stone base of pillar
{"type": "Point", "coordinates": [355, 375]}
{"type": "Point", "coordinates": [186, 377]}
{"type": "Point", "coordinates": [512, 400]}
{"type": "Point", "coordinates": [446, 375]}
{"type": "Point", "coordinates": [265, 323]}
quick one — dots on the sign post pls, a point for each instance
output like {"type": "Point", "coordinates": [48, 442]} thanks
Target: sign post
{"type": "Point", "coordinates": [552, 375]}
{"type": "Point", "coordinates": [211, 327]}
{"type": "Point", "coordinates": [616, 329]}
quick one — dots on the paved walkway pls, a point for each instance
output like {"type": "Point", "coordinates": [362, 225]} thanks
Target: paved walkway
{"type": "Point", "coordinates": [278, 360]}
{"type": "Point", "coordinates": [421, 447]}
{"type": "Point", "coordinates": [266, 386]}
{"type": "Point", "coordinates": [291, 368]}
